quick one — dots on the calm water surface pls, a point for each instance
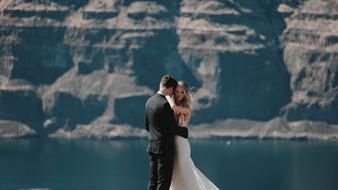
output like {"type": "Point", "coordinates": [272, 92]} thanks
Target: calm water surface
{"type": "Point", "coordinates": [123, 164]}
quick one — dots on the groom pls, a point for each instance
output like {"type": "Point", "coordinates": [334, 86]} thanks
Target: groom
{"type": "Point", "coordinates": [162, 127]}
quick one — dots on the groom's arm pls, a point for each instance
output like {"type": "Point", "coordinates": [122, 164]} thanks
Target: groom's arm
{"type": "Point", "coordinates": [171, 124]}
{"type": "Point", "coordinates": [146, 123]}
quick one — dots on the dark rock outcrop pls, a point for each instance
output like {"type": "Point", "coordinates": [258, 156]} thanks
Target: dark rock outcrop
{"type": "Point", "coordinates": [85, 68]}
{"type": "Point", "coordinates": [22, 105]}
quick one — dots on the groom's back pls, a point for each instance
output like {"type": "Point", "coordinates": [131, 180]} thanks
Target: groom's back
{"type": "Point", "coordinates": [159, 138]}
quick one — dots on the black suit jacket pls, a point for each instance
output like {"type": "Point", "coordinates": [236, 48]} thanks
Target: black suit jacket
{"type": "Point", "coordinates": [161, 124]}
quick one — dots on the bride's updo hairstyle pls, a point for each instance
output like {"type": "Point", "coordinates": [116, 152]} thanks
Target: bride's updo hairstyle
{"type": "Point", "coordinates": [186, 101]}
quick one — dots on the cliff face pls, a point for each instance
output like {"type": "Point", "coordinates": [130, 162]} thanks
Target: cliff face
{"type": "Point", "coordinates": [311, 56]}
{"type": "Point", "coordinates": [86, 67]}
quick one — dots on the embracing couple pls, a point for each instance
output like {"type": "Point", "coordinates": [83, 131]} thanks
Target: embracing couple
{"type": "Point", "coordinates": [167, 114]}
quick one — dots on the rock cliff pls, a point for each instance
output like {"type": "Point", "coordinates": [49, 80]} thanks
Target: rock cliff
{"type": "Point", "coordinates": [84, 68]}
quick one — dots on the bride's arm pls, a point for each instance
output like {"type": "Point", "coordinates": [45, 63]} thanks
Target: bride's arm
{"type": "Point", "coordinates": [183, 110]}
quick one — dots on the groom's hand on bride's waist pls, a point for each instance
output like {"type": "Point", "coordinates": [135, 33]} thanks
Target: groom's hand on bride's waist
{"type": "Point", "coordinates": [184, 132]}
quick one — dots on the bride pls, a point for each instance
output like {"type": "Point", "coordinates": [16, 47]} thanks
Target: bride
{"type": "Point", "coordinates": [185, 175]}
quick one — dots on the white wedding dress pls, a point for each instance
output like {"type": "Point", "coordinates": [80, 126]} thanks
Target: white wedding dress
{"type": "Point", "coordinates": [185, 175]}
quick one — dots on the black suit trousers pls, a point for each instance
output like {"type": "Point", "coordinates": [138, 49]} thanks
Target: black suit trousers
{"type": "Point", "coordinates": [161, 169]}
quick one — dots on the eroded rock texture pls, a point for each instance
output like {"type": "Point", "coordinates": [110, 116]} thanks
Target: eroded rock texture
{"type": "Point", "coordinates": [86, 67]}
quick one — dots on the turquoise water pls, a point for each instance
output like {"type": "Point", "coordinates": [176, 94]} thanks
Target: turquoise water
{"type": "Point", "coordinates": [123, 164]}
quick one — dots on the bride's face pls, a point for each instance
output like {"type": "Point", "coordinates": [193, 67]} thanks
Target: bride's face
{"type": "Point", "coordinates": [179, 93]}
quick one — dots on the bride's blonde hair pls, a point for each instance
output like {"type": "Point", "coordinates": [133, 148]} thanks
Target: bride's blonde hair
{"type": "Point", "coordinates": [186, 101]}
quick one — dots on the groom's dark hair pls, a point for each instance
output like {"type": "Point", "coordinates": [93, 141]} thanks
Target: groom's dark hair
{"type": "Point", "coordinates": [168, 81]}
